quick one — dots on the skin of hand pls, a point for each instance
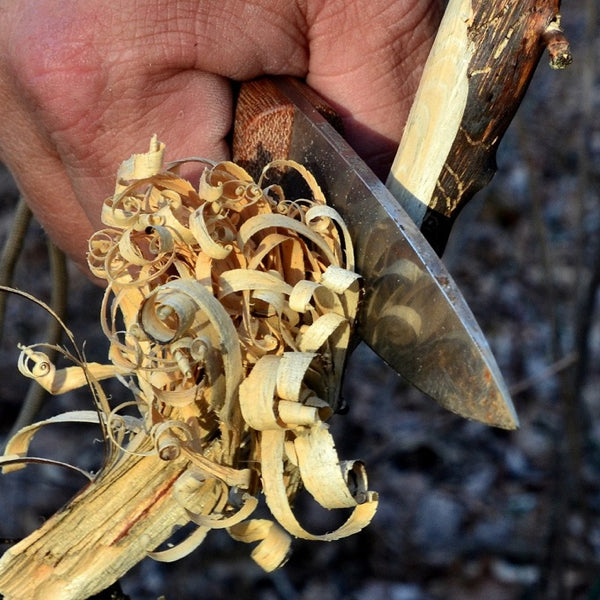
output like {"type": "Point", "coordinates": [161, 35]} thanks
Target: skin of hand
{"type": "Point", "coordinates": [83, 85]}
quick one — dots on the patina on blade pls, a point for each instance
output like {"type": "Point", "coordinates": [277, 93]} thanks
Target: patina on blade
{"type": "Point", "coordinates": [413, 314]}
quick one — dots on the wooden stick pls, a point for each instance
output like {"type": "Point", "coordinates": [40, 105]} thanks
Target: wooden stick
{"type": "Point", "coordinates": [109, 527]}
{"type": "Point", "coordinates": [476, 75]}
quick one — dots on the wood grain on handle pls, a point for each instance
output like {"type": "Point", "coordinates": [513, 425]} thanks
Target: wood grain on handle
{"type": "Point", "coordinates": [264, 121]}
{"type": "Point", "coordinates": [478, 70]}
{"type": "Point", "coordinates": [263, 125]}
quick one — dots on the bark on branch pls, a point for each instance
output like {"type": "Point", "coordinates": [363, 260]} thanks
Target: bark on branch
{"type": "Point", "coordinates": [475, 78]}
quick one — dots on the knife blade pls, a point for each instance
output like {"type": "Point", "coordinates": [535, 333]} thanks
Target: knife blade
{"type": "Point", "coordinates": [413, 314]}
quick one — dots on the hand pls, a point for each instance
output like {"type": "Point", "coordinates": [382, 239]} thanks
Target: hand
{"type": "Point", "coordinates": [85, 84]}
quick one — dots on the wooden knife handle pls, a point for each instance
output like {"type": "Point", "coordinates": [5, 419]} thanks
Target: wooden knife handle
{"type": "Point", "coordinates": [263, 125]}
{"type": "Point", "coordinates": [478, 70]}
{"type": "Point", "coordinates": [263, 122]}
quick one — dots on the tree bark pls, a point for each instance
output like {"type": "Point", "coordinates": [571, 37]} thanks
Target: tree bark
{"type": "Point", "coordinates": [477, 73]}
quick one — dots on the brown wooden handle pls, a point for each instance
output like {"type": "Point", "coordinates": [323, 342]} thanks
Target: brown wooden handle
{"type": "Point", "coordinates": [478, 71]}
{"type": "Point", "coordinates": [263, 125]}
{"type": "Point", "coordinates": [264, 120]}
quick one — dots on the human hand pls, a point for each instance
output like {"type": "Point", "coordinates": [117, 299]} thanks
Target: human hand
{"type": "Point", "coordinates": [85, 84]}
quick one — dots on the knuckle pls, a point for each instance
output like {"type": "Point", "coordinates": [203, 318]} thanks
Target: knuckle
{"type": "Point", "coordinates": [52, 59]}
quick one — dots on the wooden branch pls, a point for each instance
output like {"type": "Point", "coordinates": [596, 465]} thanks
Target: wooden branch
{"type": "Point", "coordinates": [11, 250]}
{"type": "Point", "coordinates": [476, 75]}
{"type": "Point", "coordinates": [109, 527]}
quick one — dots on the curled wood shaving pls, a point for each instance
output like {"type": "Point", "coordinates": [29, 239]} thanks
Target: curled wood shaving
{"type": "Point", "coordinates": [229, 308]}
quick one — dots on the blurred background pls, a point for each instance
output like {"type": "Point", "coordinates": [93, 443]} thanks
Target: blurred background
{"type": "Point", "coordinates": [466, 511]}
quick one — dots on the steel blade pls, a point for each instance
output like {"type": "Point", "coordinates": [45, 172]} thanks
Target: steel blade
{"type": "Point", "coordinates": [413, 314]}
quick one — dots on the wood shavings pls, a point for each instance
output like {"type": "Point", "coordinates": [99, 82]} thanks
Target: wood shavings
{"type": "Point", "coordinates": [229, 308]}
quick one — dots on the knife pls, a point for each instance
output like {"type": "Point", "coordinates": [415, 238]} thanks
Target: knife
{"type": "Point", "coordinates": [412, 315]}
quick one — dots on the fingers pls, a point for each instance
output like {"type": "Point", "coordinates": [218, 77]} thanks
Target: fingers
{"type": "Point", "coordinates": [97, 85]}
{"type": "Point", "coordinates": [85, 84]}
{"type": "Point", "coordinates": [40, 174]}
{"type": "Point", "coordinates": [92, 82]}
{"type": "Point", "coordinates": [366, 59]}
{"type": "Point", "coordinates": [67, 175]}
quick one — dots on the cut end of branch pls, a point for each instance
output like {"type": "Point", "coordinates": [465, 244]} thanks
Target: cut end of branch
{"type": "Point", "coordinates": [557, 45]}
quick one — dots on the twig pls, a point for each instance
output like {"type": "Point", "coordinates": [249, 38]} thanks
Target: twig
{"type": "Point", "coordinates": [571, 440]}
{"type": "Point", "coordinates": [58, 302]}
{"type": "Point", "coordinates": [584, 310]}
{"type": "Point", "coordinates": [11, 251]}
{"type": "Point", "coordinates": [552, 584]}
{"type": "Point", "coordinates": [556, 367]}
{"type": "Point", "coordinates": [557, 45]}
